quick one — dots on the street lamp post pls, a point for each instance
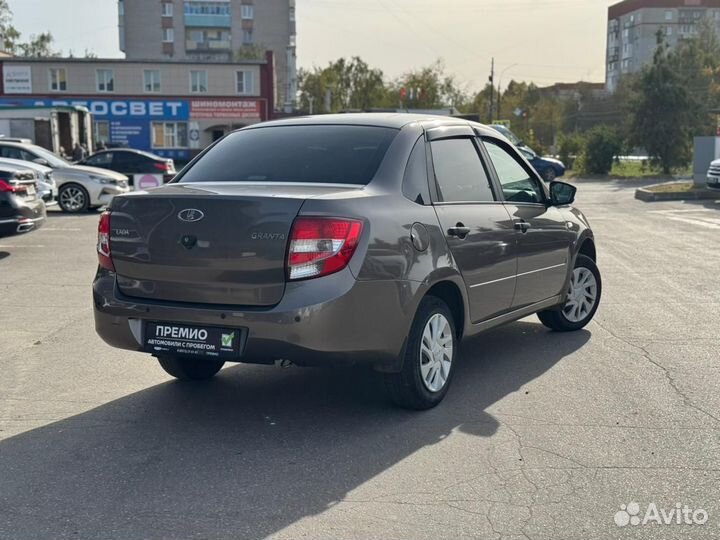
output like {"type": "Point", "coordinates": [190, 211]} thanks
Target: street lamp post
{"type": "Point", "coordinates": [500, 87]}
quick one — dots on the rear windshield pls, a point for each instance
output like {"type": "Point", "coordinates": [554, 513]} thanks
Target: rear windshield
{"type": "Point", "coordinates": [323, 154]}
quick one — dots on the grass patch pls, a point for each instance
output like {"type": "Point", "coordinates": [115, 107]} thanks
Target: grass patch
{"type": "Point", "coordinates": [625, 170]}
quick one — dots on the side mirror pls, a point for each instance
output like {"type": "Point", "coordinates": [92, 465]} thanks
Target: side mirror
{"type": "Point", "coordinates": [41, 161]}
{"type": "Point", "coordinates": [562, 194]}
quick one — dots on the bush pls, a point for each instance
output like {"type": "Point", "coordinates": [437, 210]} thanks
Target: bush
{"type": "Point", "coordinates": [569, 147]}
{"type": "Point", "coordinates": [601, 146]}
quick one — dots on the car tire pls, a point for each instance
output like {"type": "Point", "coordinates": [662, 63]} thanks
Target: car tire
{"type": "Point", "coordinates": [190, 369]}
{"type": "Point", "coordinates": [549, 174]}
{"type": "Point", "coordinates": [73, 199]}
{"type": "Point", "coordinates": [582, 302]}
{"type": "Point", "coordinates": [428, 366]}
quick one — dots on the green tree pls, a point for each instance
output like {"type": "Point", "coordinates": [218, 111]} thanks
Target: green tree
{"type": "Point", "coordinates": [39, 46]}
{"type": "Point", "coordinates": [8, 34]}
{"type": "Point", "coordinates": [431, 88]}
{"type": "Point", "coordinates": [697, 61]}
{"type": "Point", "coordinates": [663, 112]}
{"type": "Point", "coordinates": [349, 84]}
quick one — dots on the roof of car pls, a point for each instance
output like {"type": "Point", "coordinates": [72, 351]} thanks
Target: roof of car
{"type": "Point", "coordinates": [388, 120]}
{"type": "Point", "coordinates": [14, 168]}
{"type": "Point", "coordinates": [129, 150]}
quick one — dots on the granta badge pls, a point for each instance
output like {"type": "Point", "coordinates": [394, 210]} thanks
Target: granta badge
{"type": "Point", "coordinates": [191, 215]}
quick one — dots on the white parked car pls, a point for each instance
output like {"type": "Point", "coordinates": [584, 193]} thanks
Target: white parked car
{"type": "Point", "coordinates": [713, 175]}
{"type": "Point", "coordinates": [79, 188]}
{"type": "Point", "coordinates": [46, 186]}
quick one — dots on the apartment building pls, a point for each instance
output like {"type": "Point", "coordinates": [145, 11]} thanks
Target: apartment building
{"type": "Point", "coordinates": [213, 31]}
{"type": "Point", "coordinates": [633, 26]}
{"type": "Point", "coordinates": [171, 108]}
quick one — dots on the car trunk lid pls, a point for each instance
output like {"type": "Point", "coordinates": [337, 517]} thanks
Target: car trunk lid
{"type": "Point", "coordinates": [221, 244]}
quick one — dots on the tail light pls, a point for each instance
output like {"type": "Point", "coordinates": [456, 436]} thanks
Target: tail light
{"type": "Point", "coordinates": [103, 244]}
{"type": "Point", "coordinates": [321, 246]}
{"type": "Point", "coordinates": [164, 166]}
{"type": "Point", "coordinates": [6, 187]}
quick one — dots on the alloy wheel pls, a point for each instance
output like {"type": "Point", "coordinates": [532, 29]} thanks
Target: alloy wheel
{"type": "Point", "coordinates": [72, 199]}
{"type": "Point", "coordinates": [436, 352]}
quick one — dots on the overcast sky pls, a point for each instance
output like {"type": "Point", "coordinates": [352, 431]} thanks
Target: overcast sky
{"type": "Point", "coordinates": [536, 40]}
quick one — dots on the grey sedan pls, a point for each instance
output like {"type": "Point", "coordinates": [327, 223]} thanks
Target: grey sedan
{"type": "Point", "coordinates": [375, 239]}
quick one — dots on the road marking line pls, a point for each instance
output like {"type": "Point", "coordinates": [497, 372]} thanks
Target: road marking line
{"type": "Point", "coordinates": [681, 211]}
{"type": "Point", "coordinates": [706, 224]}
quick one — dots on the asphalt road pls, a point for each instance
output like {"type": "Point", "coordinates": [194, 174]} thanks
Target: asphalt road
{"type": "Point", "coordinates": [543, 435]}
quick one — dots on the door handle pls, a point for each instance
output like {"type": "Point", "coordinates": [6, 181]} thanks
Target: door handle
{"type": "Point", "coordinates": [522, 226]}
{"type": "Point", "coordinates": [460, 231]}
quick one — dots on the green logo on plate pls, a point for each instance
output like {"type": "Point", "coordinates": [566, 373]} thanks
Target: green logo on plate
{"type": "Point", "coordinates": [227, 340]}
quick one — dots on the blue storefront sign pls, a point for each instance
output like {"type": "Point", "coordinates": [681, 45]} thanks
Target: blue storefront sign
{"type": "Point", "coordinates": [129, 120]}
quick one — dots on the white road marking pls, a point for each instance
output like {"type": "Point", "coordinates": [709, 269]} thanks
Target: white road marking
{"type": "Point", "coordinates": [681, 211]}
{"type": "Point", "coordinates": [22, 246]}
{"type": "Point", "coordinates": [709, 224]}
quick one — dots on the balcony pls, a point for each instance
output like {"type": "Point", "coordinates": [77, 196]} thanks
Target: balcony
{"type": "Point", "coordinates": [208, 21]}
{"type": "Point", "coordinates": [208, 46]}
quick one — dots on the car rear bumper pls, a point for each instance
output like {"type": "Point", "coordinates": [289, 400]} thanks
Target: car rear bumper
{"type": "Point", "coordinates": [346, 322]}
{"type": "Point", "coordinates": [22, 216]}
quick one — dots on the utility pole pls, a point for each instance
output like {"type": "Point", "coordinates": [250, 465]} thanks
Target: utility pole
{"type": "Point", "coordinates": [311, 100]}
{"type": "Point", "coordinates": [492, 90]}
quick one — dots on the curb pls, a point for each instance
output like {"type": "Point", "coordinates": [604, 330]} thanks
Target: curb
{"type": "Point", "coordinates": [646, 195]}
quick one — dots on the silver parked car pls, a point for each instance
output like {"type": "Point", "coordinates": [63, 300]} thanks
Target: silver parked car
{"type": "Point", "coordinates": [376, 239]}
{"type": "Point", "coordinates": [46, 185]}
{"type": "Point", "coordinates": [713, 175]}
{"type": "Point", "coordinates": [79, 188]}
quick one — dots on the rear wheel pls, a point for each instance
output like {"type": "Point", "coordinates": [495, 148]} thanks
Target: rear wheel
{"type": "Point", "coordinates": [582, 301]}
{"type": "Point", "coordinates": [190, 369]}
{"type": "Point", "coordinates": [73, 199]}
{"type": "Point", "coordinates": [429, 358]}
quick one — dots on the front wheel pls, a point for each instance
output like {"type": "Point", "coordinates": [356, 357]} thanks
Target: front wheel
{"type": "Point", "coordinates": [73, 199]}
{"type": "Point", "coordinates": [429, 358]}
{"type": "Point", "coordinates": [190, 369]}
{"type": "Point", "coordinates": [582, 301]}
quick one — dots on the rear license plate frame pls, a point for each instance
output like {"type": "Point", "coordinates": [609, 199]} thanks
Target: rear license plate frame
{"type": "Point", "coordinates": [202, 341]}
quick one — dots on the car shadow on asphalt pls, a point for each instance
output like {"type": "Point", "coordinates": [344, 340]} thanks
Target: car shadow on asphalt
{"type": "Point", "coordinates": [251, 452]}
{"type": "Point", "coordinates": [4, 254]}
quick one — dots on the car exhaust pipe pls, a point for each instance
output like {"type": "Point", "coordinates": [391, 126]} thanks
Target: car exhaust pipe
{"type": "Point", "coordinates": [25, 227]}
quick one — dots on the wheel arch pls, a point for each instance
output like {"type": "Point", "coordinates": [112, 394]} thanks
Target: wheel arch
{"type": "Point", "coordinates": [449, 292]}
{"type": "Point", "coordinates": [587, 248]}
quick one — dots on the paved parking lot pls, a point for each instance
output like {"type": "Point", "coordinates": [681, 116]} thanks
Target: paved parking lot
{"type": "Point", "coordinates": [542, 435]}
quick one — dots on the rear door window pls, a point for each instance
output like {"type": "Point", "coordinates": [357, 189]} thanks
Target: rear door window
{"type": "Point", "coordinates": [13, 152]}
{"type": "Point", "coordinates": [415, 183]}
{"type": "Point", "coordinates": [326, 154]}
{"type": "Point", "coordinates": [460, 174]}
{"type": "Point", "coordinates": [100, 160]}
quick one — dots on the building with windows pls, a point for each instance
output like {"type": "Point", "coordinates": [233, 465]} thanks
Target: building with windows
{"type": "Point", "coordinates": [633, 26]}
{"type": "Point", "coordinates": [213, 31]}
{"type": "Point", "coordinates": [171, 108]}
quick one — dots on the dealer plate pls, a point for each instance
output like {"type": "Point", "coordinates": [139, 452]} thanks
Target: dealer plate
{"type": "Point", "coordinates": [188, 340]}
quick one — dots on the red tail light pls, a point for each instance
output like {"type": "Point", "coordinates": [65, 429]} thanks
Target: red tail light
{"type": "Point", "coordinates": [321, 246]}
{"type": "Point", "coordinates": [8, 188]}
{"type": "Point", "coordinates": [103, 245]}
{"type": "Point", "coordinates": [164, 166]}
